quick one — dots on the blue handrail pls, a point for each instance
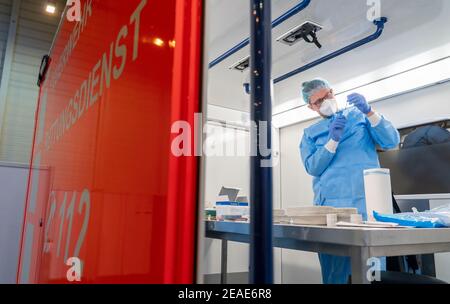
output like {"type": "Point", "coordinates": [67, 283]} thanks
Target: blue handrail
{"type": "Point", "coordinates": [380, 27]}
{"type": "Point", "coordinates": [293, 11]}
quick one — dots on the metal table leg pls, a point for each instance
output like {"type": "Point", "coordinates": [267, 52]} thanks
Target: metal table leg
{"type": "Point", "coordinates": [359, 258]}
{"type": "Point", "coordinates": [223, 262]}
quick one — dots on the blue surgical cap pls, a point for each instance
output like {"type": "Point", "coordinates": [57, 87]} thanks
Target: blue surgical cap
{"type": "Point", "coordinates": [309, 88]}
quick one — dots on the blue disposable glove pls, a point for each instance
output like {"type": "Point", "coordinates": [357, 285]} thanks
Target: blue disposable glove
{"type": "Point", "coordinates": [359, 102]}
{"type": "Point", "coordinates": [337, 128]}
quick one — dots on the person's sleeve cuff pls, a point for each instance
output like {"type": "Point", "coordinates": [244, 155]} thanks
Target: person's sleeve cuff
{"type": "Point", "coordinates": [375, 119]}
{"type": "Point", "coordinates": [331, 146]}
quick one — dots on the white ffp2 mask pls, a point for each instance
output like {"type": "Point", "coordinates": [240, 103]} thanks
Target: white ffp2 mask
{"type": "Point", "coordinates": [329, 107]}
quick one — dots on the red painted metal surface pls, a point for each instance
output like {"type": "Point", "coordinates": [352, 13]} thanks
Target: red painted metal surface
{"type": "Point", "coordinates": [105, 187]}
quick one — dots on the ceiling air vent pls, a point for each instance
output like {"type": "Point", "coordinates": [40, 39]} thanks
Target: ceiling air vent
{"type": "Point", "coordinates": [306, 31]}
{"type": "Point", "coordinates": [241, 65]}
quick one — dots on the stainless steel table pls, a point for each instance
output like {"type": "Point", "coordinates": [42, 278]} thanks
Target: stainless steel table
{"type": "Point", "coordinates": [359, 244]}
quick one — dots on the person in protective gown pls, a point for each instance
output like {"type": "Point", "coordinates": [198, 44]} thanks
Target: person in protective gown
{"type": "Point", "coordinates": [335, 151]}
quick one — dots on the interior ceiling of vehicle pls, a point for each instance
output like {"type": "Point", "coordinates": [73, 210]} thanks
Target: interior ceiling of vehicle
{"type": "Point", "coordinates": [413, 27]}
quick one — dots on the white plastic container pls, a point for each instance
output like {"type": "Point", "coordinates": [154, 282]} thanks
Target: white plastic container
{"type": "Point", "coordinates": [377, 186]}
{"type": "Point", "coordinates": [232, 210]}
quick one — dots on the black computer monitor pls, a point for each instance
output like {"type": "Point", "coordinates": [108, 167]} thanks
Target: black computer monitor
{"type": "Point", "coordinates": [419, 170]}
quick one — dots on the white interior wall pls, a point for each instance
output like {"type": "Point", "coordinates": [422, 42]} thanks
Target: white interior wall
{"type": "Point", "coordinates": [13, 182]}
{"type": "Point", "coordinates": [296, 184]}
{"type": "Point", "coordinates": [233, 171]}
{"type": "Point", "coordinates": [229, 171]}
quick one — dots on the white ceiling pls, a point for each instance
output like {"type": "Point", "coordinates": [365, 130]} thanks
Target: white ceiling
{"type": "Point", "coordinates": [414, 27]}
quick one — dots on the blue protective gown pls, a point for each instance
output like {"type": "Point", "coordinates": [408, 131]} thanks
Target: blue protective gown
{"type": "Point", "coordinates": [338, 177]}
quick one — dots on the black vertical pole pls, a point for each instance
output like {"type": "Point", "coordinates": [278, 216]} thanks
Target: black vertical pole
{"type": "Point", "coordinates": [261, 249]}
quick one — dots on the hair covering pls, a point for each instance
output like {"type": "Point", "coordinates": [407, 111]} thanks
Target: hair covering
{"type": "Point", "coordinates": [309, 88]}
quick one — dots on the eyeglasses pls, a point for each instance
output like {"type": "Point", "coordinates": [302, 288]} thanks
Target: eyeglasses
{"type": "Point", "coordinates": [319, 102]}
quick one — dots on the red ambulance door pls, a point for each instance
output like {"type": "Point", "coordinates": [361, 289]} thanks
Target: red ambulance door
{"type": "Point", "coordinates": [108, 201]}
